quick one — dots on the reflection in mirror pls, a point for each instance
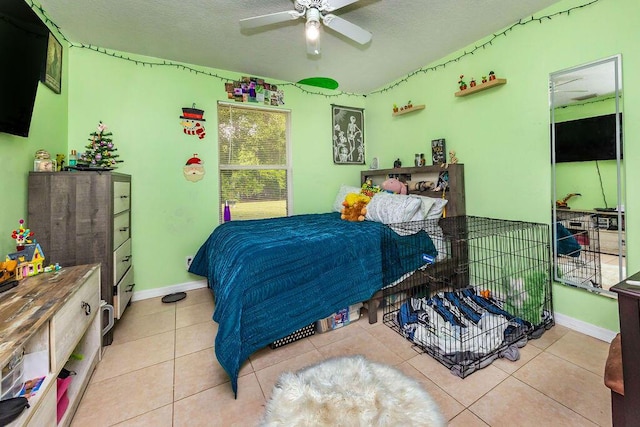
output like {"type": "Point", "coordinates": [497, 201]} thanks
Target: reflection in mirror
{"type": "Point", "coordinates": [587, 167]}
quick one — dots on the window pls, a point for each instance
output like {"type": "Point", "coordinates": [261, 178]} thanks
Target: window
{"type": "Point", "coordinates": [254, 161]}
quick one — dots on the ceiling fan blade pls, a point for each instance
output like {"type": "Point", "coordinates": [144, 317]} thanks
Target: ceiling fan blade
{"type": "Point", "coordinates": [271, 18]}
{"type": "Point", "coordinates": [347, 29]}
{"type": "Point", "coordinates": [337, 4]}
{"type": "Point", "coordinates": [568, 81]}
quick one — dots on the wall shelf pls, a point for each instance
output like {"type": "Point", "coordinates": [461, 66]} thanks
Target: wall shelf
{"type": "Point", "coordinates": [481, 87]}
{"type": "Point", "coordinates": [409, 110]}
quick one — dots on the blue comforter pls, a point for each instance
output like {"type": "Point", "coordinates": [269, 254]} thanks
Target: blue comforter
{"type": "Point", "coordinates": [272, 277]}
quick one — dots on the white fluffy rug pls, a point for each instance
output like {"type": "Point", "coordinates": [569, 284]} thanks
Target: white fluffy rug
{"type": "Point", "coordinates": [350, 391]}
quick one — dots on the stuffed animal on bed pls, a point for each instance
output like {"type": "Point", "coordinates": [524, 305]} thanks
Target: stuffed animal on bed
{"type": "Point", "coordinates": [368, 189]}
{"type": "Point", "coordinates": [355, 207]}
{"type": "Point", "coordinates": [395, 186]}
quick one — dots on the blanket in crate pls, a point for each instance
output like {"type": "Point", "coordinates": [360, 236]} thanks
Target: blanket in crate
{"type": "Point", "coordinates": [461, 327]}
{"type": "Point", "coordinates": [271, 277]}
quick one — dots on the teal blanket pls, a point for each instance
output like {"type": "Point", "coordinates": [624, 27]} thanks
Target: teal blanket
{"type": "Point", "coordinates": [271, 277]}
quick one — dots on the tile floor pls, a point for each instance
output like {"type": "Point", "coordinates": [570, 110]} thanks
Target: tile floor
{"type": "Point", "coordinates": [161, 371]}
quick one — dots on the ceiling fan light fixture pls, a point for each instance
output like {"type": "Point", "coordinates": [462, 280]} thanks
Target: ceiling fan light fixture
{"type": "Point", "coordinates": [312, 27]}
{"type": "Point", "coordinates": [312, 30]}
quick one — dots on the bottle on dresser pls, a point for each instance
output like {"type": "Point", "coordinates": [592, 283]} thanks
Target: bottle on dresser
{"type": "Point", "coordinates": [73, 158]}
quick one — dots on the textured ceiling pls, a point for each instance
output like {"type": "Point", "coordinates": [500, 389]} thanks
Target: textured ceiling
{"type": "Point", "coordinates": [407, 35]}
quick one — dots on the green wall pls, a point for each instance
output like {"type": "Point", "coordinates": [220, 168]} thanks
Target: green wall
{"type": "Point", "coordinates": [48, 131]}
{"type": "Point", "coordinates": [501, 135]}
{"type": "Point", "coordinates": [171, 217]}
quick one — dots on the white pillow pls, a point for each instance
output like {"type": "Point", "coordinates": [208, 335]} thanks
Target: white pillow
{"type": "Point", "coordinates": [435, 212]}
{"type": "Point", "coordinates": [342, 193]}
{"type": "Point", "coordinates": [392, 208]}
{"type": "Point", "coordinates": [425, 204]}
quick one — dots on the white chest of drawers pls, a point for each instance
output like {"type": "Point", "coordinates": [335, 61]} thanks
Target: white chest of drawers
{"type": "Point", "coordinates": [50, 316]}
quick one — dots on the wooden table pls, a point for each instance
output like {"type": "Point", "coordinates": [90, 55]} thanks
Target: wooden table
{"type": "Point", "coordinates": [629, 311]}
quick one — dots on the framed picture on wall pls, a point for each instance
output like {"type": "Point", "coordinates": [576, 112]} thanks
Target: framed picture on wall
{"type": "Point", "coordinates": [52, 75]}
{"type": "Point", "coordinates": [348, 135]}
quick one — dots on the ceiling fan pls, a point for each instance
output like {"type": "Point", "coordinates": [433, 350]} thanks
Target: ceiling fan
{"type": "Point", "coordinates": [314, 11]}
{"type": "Point", "coordinates": [557, 86]}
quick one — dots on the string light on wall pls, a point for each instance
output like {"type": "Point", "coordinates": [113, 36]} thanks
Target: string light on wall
{"type": "Point", "coordinates": [229, 79]}
{"type": "Point", "coordinates": [585, 103]}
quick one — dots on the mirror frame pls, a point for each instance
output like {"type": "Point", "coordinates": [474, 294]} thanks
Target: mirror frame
{"type": "Point", "coordinates": [616, 60]}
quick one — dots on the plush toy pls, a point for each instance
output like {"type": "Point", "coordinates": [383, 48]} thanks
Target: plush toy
{"type": "Point", "coordinates": [395, 186]}
{"type": "Point", "coordinates": [355, 207]}
{"type": "Point", "coordinates": [525, 295]}
{"type": "Point", "coordinates": [368, 189]}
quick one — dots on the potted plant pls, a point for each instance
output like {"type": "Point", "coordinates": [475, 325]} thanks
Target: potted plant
{"type": "Point", "coordinates": [395, 108]}
{"type": "Point", "coordinates": [461, 83]}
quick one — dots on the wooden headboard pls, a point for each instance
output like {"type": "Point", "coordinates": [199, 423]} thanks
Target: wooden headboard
{"type": "Point", "coordinates": [454, 193]}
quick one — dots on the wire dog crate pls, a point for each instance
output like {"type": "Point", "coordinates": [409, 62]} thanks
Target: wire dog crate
{"type": "Point", "coordinates": [578, 247]}
{"type": "Point", "coordinates": [485, 293]}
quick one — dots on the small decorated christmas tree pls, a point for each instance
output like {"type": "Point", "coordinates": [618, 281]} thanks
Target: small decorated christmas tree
{"type": "Point", "coordinates": [100, 151]}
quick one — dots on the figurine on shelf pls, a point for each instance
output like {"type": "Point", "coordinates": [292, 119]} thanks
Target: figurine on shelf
{"type": "Point", "coordinates": [452, 159]}
{"type": "Point", "coordinates": [462, 83]}
{"type": "Point", "coordinates": [472, 82]}
{"type": "Point", "coordinates": [484, 79]}
{"type": "Point", "coordinates": [397, 163]}
{"type": "Point", "coordinates": [492, 76]}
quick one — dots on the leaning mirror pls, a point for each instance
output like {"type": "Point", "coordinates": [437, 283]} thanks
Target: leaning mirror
{"type": "Point", "coordinates": [587, 169]}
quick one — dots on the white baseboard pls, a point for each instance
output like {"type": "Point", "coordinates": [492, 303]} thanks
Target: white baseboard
{"type": "Point", "coordinates": [584, 327]}
{"type": "Point", "coordinates": [159, 292]}
{"type": "Point", "coordinates": [560, 319]}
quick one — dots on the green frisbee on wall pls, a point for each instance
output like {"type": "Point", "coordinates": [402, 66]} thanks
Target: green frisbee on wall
{"type": "Point", "coordinates": [323, 82]}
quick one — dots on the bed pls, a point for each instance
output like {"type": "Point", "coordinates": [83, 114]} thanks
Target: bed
{"type": "Point", "coordinates": [272, 277]}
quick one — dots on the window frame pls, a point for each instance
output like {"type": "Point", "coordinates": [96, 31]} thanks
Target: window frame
{"type": "Point", "coordinates": [288, 147]}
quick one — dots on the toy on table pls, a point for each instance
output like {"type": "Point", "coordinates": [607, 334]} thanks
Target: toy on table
{"type": "Point", "coordinates": [562, 203]}
{"type": "Point", "coordinates": [29, 255]}
{"type": "Point", "coordinates": [8, 275]}
{"type": "Point", "coordinates": [355, 207]}
{"type": "Point", "coordinates": [21, 235]}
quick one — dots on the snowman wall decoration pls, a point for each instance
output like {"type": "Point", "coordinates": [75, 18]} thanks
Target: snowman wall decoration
{"type": "Point", "coordinates": [193, 171]}
{"type": "Point", "coordinates": [192, 121]}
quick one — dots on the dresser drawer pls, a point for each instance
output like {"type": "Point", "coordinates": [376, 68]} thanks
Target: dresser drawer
{"type": "Point", "coordinates": [121, 196]}
{"type": "Point", "coordinates": [124, 292]}
{"type": "Point", "coordinates": [121, 261]}
{"type": "Point", "coordinates": [121, 229]}
{"type": "Point", "coordinates": [72, 320]}
{"type": "Point", "coordinates": [45, 413]}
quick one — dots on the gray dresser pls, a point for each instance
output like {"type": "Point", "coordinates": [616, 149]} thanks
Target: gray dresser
{"type": "Point", "coordinates": [83, 217]}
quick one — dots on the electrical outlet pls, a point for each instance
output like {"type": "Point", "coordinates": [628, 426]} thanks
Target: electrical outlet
{"type": "Point", "coordinates": [188, 261]}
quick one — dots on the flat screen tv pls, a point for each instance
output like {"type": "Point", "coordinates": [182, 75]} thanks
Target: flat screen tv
{"type": "Point", "coordinates": [589, 139]}
{"type": "Point", "coordinates": [23, 49]}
